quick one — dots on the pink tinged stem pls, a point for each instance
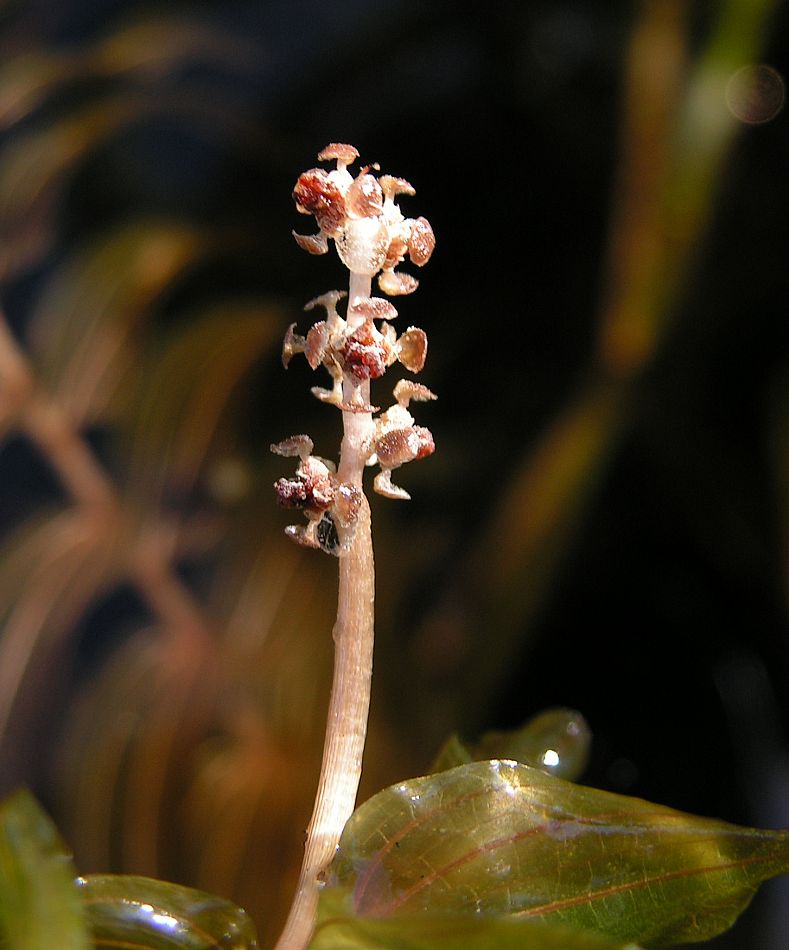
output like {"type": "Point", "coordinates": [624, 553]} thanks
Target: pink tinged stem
{"type": "Point", "coordinates": [346, 726]}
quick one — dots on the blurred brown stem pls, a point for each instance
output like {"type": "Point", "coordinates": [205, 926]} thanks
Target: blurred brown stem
{"type": "Point", "coordinates": [28, 408]}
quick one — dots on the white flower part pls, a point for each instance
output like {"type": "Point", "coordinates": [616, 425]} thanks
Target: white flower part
{"type": "Point", "coordinates": [383, 484]}
{"type": "Point", "coordinates": [341, 177]}
{"type": "Point", "coordinates": [395, 284]}
{"type": "Point", "coordinates": [362, 244]}
{"type": "Point", "coordinates": [395, 417]}
{"type": "Point", "coordinates": [398, 225]}
{"type": "Point", "coordinates": [296, 445]}
{"type": "Point", "coordinates": [336, 326]}
{"type": "Point", "coordinates": [333, 395]}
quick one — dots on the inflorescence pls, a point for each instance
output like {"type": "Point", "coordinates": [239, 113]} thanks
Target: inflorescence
{"type": "Point", "coordinates": [372, 237]}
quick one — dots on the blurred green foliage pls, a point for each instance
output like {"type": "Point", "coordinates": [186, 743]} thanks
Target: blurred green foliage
{"type": "Point", "coordinates": [43, 905]}
{"type": "Point", "coordinates": [39, 905]}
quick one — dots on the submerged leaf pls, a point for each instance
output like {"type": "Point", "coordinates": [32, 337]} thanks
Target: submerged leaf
{"type": "Point", "coordinates": [339, 929]}
{"type": "Point", "coordinates": [49, 570]}
{"type": "Point", "coordinates": [556, 741]}
{"type": "Point", "coordinates": [35, 167]}
{"type": "Point", "coordinates": [85, 326]}
{"type": "Point", "coordinates": [501, 839]}
{"type": "Point", "coordinates": [39, 905]}
{"type": "Point", "coordinates": [149, 49]}
{"type": "Point", "coordinates": [139, 912]}
{"type": "Point", "coordinates": [185, 388]}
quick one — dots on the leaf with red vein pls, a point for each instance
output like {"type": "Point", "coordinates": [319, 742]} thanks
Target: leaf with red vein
{"type": "Point", "coordinates": [339, 929]}
{"type": "Point", "coordinates": [501, 839]}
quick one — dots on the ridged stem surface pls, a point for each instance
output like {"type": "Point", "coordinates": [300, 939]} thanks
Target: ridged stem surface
{"type": "Point", "coordinates": [346, 726]}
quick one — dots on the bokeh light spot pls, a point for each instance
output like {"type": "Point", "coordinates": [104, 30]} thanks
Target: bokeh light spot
{"type": "Point", "coordinates": [755, 94]}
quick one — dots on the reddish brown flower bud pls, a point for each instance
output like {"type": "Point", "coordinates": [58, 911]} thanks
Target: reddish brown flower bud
{"type": "Point", "coordinates": [365, 353]}
{"type": "Point", "coordinates": [421, 242]}
{"type": "Point", "coordinates": [315, 193]}
{"type": "Point", "coordinates": [397, 284]}
{"type": "Point", "coordinates": [374, 308]}
{"type": "Point", "coordinates": [364, 198]}
{"type": "Point", "coordinates": [312, 488]}
{"type": "Point", "coordinates": [317, 340]}
{"type": "Point", "coordinates": [398, 446]}
{"type": "Point", "coordinates": [425, 442]}
{"type": "Point", "coordinates": [412, 349]}
{"type": "Point", "coordinates": [319, 481]}
{"type": "Point", "coordinates": [291, 492]}
{"type": "Point", "coordinates": [347, 501]}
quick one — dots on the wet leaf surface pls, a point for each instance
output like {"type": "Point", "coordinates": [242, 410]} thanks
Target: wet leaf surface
{"type": "Point", "coordinates": [556, 741]}
{"type": "Point", "coordinates": [339, 929]}
{"type": "Point", "coordinates": [502, 839]}
{"type": "Point", "coordinates": [139, 912]}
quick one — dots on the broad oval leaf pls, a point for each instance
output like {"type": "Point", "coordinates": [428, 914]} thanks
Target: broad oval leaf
{"type": "Point", "coordinates": [139, 912]}
{"type": "Point", "coordinates": [39, 905]}
{"type": "Point", "coordinates": [339, 929]}
{"type": "Point", "coordinates": [502, 839]}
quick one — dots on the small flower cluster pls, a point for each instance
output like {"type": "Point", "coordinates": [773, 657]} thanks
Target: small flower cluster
{"type": "Point", "coordinates": [328, 502]}
{"type": "Point", "coordinates": [315, 490]}
{"type": "Point", "coordinates": [398, 440]}
{"type": "Point", "coordinates": [371, 235]}
{"type": "Point", "coordinates": [362, 216]}
{"type": "Point", "coordinates": [354, 354]}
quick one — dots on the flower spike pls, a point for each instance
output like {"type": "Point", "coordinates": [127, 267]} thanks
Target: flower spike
{"type": "Point", "coordinates": [362, 217]}
{"type": "Point", "coordinates": [355, 341]}
{"type": "Point", "coordinates": [372, 237]}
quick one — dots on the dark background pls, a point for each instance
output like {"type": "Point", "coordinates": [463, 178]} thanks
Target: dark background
{"type": "Point", "coordinates": [664, 620]}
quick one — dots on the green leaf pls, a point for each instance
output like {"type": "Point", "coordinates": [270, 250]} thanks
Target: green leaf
{"type": "Point", "coordinates": [502, 839]}
{"type": "Point", "coordinates": [39, 905]}
{"type": "Point", "coordinates": [139, 912]}
{"type": "Point", "coordinates": [453, 752]}
{"type": "Point", "coordinates": [339, 929]}
{"type": "Point", "coordinates": [556, 741]}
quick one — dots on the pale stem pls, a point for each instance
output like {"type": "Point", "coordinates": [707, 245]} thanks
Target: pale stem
{"type": "Point", "coordinates": [346, 725]}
